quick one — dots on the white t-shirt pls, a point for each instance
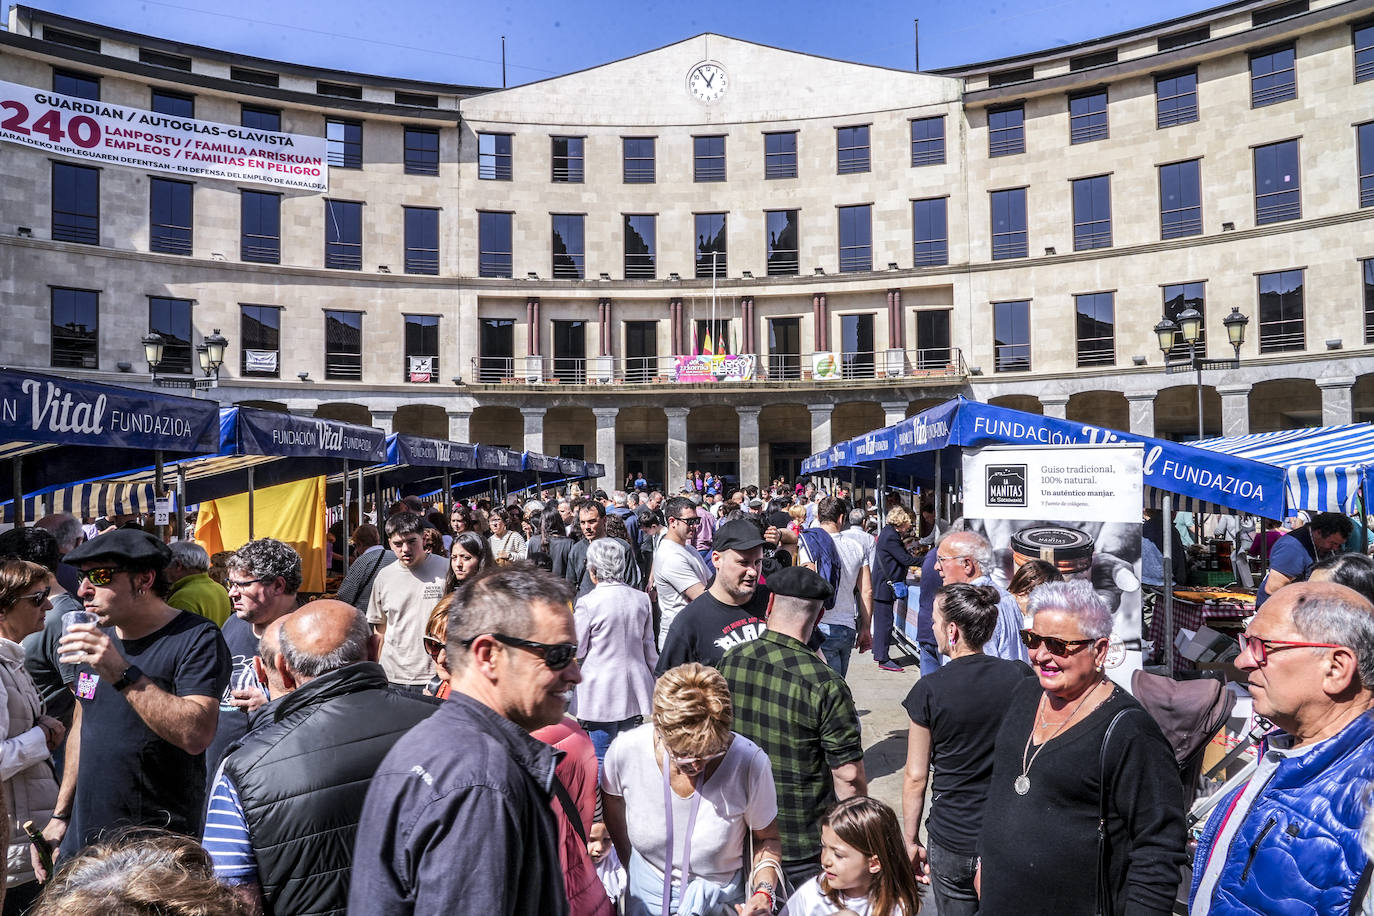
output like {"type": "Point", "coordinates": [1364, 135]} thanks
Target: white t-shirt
{"type": "Point", "coordinates": [809, 901]}
{"type": "Point", "coordinates": [676, 569]}
{"type": "Point", "coordinates": [853, 558]}
{"type": "Point", "coordinates": [403, 598]}
{"type": "Point", "coordinates": [739, 796]}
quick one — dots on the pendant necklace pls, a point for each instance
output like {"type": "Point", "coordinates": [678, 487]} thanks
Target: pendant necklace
{"type": "Point", "coordinates": [1022, 783]}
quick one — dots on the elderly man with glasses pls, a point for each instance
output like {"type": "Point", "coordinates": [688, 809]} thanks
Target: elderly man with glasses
{"type": "Point", "coordinates": [966, 556]}
{"type": "Point", "coordinates": [1292, 833]}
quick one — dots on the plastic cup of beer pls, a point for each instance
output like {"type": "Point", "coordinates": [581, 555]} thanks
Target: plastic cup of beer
{"type": "Point", "coordinates": [73, 618]}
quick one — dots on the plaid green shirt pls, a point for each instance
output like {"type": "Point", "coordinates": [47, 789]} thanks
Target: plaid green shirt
{"type": "Point", "coordinates": [800, 711]}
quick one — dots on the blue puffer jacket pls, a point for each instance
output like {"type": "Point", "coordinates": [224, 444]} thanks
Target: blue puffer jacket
{"type": "Point", "coordinates": [1298, 851]}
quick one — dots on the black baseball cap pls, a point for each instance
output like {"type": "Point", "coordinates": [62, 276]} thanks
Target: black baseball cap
{"type": "Point", "coordinates": [738, 535]}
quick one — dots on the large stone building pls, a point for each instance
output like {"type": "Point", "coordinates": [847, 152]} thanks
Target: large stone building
{"type": "Point", "coordinates": [527, 267]}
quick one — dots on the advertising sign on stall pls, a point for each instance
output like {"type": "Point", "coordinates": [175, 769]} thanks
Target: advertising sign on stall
{"type": "Point", "coordinates": [697, 370]}
{"type": "Point", "coordinates": [107, 134]}
{"type": "Point", "coordinates": [1077, 508]}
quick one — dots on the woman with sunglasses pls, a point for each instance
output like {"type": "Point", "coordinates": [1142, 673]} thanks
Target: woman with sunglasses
{"type": "Point", "coordinates": [470, 555]}
{"type": "Point", "coordinates": [682, 794]}
{"type": "Point", "coordinates": [30, 736]}
{"type": "Point", "coordinates": [1075, 750]}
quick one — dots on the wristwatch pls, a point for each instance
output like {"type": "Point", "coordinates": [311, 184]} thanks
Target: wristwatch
{"type": "Point", "coordinates": [131, 676]}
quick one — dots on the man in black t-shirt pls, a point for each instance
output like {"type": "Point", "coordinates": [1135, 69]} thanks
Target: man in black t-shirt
{"type": "Point", "coordinates": [148, 683]}
{"type": "Point", "coordinates": [731, 611]}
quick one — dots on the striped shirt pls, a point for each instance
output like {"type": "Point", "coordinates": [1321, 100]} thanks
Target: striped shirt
{"type": "Point", "coordinates": [226, 835]}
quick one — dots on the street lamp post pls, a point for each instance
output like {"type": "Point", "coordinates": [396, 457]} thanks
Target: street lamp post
{"type": "Point", "coordinates": [210, 355]}
{"type": "Point", "coordinates": [1189, 326]}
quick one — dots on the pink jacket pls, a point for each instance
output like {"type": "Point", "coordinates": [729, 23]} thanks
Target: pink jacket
{"type": "Point", "coordinates": [577, 771]}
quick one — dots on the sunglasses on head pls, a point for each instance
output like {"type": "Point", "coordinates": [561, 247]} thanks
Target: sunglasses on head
{"type": "Point", "coordinates": [556, 656]}
{"type": "Point", "coordinates": [1057, 646]}
{"type": "Point", "coordinates": [101, 576]}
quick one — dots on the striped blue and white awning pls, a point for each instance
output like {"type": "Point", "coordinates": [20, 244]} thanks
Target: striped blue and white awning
{"type": "Point", "coordinates": [1323, 466]}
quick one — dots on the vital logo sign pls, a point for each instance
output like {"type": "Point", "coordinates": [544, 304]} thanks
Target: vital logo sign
{"type": "Point", "coordinates": [1006, 485]}
{"type": "Point", "coordinates": [56, 409]}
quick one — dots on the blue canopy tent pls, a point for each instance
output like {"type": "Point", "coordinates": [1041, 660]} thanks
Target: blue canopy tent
{"type": "Point", "coordinates": [61, 420]}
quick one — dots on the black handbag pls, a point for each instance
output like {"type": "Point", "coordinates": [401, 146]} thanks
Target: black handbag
{"type": "Point", "coordinates": [1103, 894]}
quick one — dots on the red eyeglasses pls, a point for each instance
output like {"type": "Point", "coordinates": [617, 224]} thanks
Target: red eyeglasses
{"type": "Point", "coordinates": [1260, 648]}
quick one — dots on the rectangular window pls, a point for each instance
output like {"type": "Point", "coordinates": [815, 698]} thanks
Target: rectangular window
{"type": "Point", "coordinates": [343, 346]}
{"type": "Point", "coordinates": [1278, 185]}
{"type": "Point", "coordinates": [71, 39]}
{"type": "Point", "coordinates": [422, 348]}
{"type": "Point", "coordinates": [1184, 38]}
{"type": "Point", "coordinates": [172, 319]}
{"type": "Point", "coordinates": [75, 328]}
{"type": "Point", "coordinates": [422, 240]}
{"type": "Point", "coordinates": [1178, 298]}
{"type": "Point", "coordinates": [1176, 99]}
{"type": "Point", "coordinates": [75, 203]}
{"type": "Point", "coordinates": [708, 158]}
{"type": "Point", "coordinates": [1281, 311]}
{"type": "Point", "coordinates": [783, 254]}
{"type": "Point", "coordinates": [1273, 77]}
{"type": "Point", "coordinates": [422, 151]}
{"type": "Point", "coordinates": [929, 232]}
{"type": "Point", "coordinates": [1092, 213]}
{"type": "Point", "coordinates": [568, 160]}
{"type": "Point", "coordinates": [1364, 52]}
{"type": "Point", "coordinates": [417, 99]}
{"type": "Point", "coordinates": [932, 339]}
{"type": "Point", "coordinates": [1277, 12]}
{"type": "Point", "coordinates": [1364, 135]}
{"type": "Point", "coordinates": [852, 151]}
{"type": "Point", "coordinates": [344, 143]}
{"type": "Point", "coordinates": [256, 77]}
{"type": "Point", "coordinates": [497, 346]}
{"type": "Point", "coordinates": [856, 238]}
{"type": "Point", "coordinates": [494, 157]}
{"type": "Point", "coordinates": [174, 103]}
{"type": "Point", "coordinates": [569, 246]}
{"type": "Point", "coordinates": [338, 90]}
{"type": "Point", "coordinates": [856, 346]}
{"type": "Point", "coordinates": [710, 234]}
{"type": "Point", "coordinates": [493, 244]}
{"type": "Point", "coordinates": [1180, 199]}
{"type": "Point", "coordinates": [260, 118]}
{"type": "Point", "coordinates": [260, 333]}
{"type": "Point", "coordinates": [79, 85]}
{"type": "Point", "coordinates": [570, 352]}
{"type": "Point", "coordinates": [343, 234]}
{"type": "Point", "coordinates": [1368, 267]}
{"type": "Point", "coordinates": [641, 245]}
{"type": "Point", "coordinates": [927, 141]}
{"type": "Point", "coordinates": [1009, 238]}
{"type": "Point", "coordinates": [163, 59]}
{"type": "Point", "coordinates": [1011, 336]}
{"type": "Point", "coordinates": [780, 155]}
{"type": "Point", "coordinates": [1088, 116]}
{"type": "Point", "coordinates": [784, 349]}
{"type": "Point", "coordinates": [638, 153]}
{"type": "Point", "coordinates": [1006, 131]}
{"type": "Point", "coordinates": [641, 351]}
{"type": "Point", "coordinates": [1096, 329]}
{"type": "Point", "coordinates": [260, 218]}
{"type": "Point", "coordinates": [715, 332]}
{"type": "Point", "coordinates": [169, 222]}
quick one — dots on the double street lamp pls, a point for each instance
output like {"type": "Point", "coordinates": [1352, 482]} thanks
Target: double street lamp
{"type": "Point", "coordinates": [210, 355]}
{"type": "Point", "coordinates": [1189, 325]}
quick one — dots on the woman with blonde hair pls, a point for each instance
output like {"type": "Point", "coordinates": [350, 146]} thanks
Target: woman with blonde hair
{"type": "Point", "coordinates": [891, 560]}
{"type": "Point", "coordinates": [683, 856]}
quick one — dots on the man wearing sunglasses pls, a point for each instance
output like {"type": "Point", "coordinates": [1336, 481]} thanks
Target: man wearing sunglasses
{"type": "Point", "coordinates": [458, 816]}
{"type": "Point", "coordinates": [149, 679]}
{"type": "Point", "coordinates": [1293, 831]}
{"type": "Point", "coordinates": [679, 574]}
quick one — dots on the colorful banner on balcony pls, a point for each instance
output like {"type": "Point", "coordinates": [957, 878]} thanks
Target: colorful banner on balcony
{"type": "Point", "coordinates": [696, 370]}
{"type": "Point", "coordinates": [825, 366]}
{"type": "Point", "coordinates": [100, 132]}
{"type": "Point", "coordinates": [421, 368]}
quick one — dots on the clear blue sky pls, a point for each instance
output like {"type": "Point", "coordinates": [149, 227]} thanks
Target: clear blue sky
{"type": "Point", "coordinates": [460, 42]}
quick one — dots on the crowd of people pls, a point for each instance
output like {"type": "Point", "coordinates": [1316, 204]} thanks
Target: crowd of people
{"type": "Point", "coordinates": [638, 703]}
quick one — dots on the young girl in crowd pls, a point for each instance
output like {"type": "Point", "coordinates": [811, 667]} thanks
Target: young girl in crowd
{"type": "Point", "coordinates": [866, 869]}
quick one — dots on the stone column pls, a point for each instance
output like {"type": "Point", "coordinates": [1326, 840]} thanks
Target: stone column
{"type": "Point", "coordinates": [534, 429]}
{"type": "Point", "coordinates": [382, 419]}
{"type": "Point", "coordinates": [459, 425]}
{"type": "Point", "coordinates": [749, 445]}
{"type": "Point", "coordinates": [820, 426]}
{"type": "Point", "coordinates": [677, 448]}
{"type": "Point", "coordinates": [748, 335]}
{"type": "Point", "coordinates": [1337, 403]}
{"type": "Point", "coordinates": [602, 369]}
{"type": "Point", "coordinates": [1142, 407]}
{"type": "Point", "coordinates": [820, 322]}
{"type": "Point", "coordinates": [675, 326]}
{"type": "Point", "coordinates": [1235, 409]}
{"type": "Point", "coordinates": [894, 412]}
{"type": "Point", "coordinates": [1055, 405]}
{"type": "Point", "coordinates": [605, 446]}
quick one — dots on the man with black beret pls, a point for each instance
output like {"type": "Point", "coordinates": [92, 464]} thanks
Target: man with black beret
{"type": "Point", "coordinates": [148, 679]}
{"type": "Point", "coordinates": [800, 711]}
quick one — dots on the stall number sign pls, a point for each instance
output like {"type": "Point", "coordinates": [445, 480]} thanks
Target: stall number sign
{"type": "Point", "coordinates": [162, 511]}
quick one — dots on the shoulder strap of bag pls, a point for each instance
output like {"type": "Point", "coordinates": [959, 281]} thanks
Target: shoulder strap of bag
{"type": "Point", "coordinates": [569, 808]}
{"type": "Point", "coordinates": [1104, 896]}
{"type": "Point", "coordinates": [366, 581]}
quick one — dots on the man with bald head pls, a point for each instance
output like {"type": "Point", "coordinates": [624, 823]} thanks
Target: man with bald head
{"type": "Point", "coordinates": [288, 798]}
{"type": "Point", "coordinates": [1293, 831]}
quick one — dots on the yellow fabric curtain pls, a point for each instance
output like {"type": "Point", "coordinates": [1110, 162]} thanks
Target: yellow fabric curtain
{"type": "Point", "coordinates": [290, 512]}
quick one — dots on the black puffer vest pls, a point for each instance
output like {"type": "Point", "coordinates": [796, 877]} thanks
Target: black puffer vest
{"type": "Point", "coordinates": [302, 773]}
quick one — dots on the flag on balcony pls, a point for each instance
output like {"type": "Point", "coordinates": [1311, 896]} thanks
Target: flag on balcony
{"type": "Point", "coordinates": [707, 349]}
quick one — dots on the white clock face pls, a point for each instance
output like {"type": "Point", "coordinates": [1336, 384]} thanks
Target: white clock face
{"type": "Point", "coordinates": [707, 82]}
